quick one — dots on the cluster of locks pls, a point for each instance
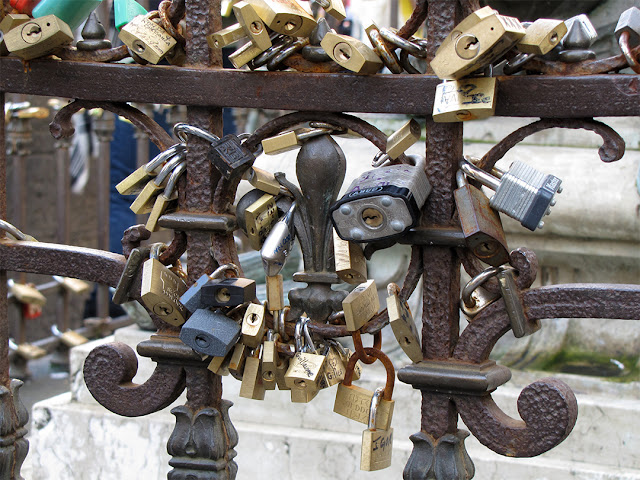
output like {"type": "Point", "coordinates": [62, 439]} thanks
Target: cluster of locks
{"type": "Point", "coordinates": [220, 318]}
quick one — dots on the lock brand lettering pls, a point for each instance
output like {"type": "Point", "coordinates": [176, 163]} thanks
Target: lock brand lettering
{"type": "Point", "coordinates": [358, 192]}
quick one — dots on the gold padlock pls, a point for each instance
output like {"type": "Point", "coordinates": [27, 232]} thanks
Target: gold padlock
{"type": "Point", "coordinates": [377, 443]}
{"type": "Point", "coordinates": [135, 182]}
{"type": "Point", "coordinates": [270, 362]}
{"type": "Point", "coordinates": [30, 351]}
{"type": "Point", "coordinates": [146, 38]}
{"type": "Point", "coordinates": [73, 339]}
{"type": "Point", "coordinates": [466, 99]}
{"type": "Point", "coordinates": [238, 359]}
{"type": "Point", "coordinates": [10, 21]}
{"type": "Point", "coordinates": [37, 37]}
{"type": "Point", "coordinates": [217, 365]}
{"type": "Point", "coordinates": [400, 140]}
{"type": "Point", "coordinates": [402, 324]}
{"type": "Point", "coordinates": [161, 290]}
{"type": "Point", "coordinates": [253, 325]}
{"type": "Point", "coordinates": [26, 293]}
{"type": "Point", "coordinates": [263, 180]}
{"type": "Point", "coordinates": [351, 53]}
{"type": "Point", "coordinates": [285, 16]}
{"type": "Point", "coordinates": [335, 8]}
{"type": "Point", "coordinates": [253, 26]}
{"type": "Point", "coordinates": [252, 386]}
{"type": "Point", "coordinates": [275, 293]}
{"type": "Point", "coordinates": [477, 46]}
{"type": "Point", "coordinates": [281, 143]}
{"type": "Point", "coordinates": [334, 366]}
{"type": "Point", "coordinates": [73, 285]}
{"type": "Point", "coordinates": [167, 201]}
{"type": "Point", "coordinates": [351, 266]}
{"type": "Point", "coordinates": [304, 375]}
{"type": "Point", "coordinates": [361, 305]}
{"type": "Point", "coordinates": [471, 20]}
{"type": "Point", "coordinates": [542, 36]}
{"type": "Point", "coordinates": [259, 218]}
{"type": "Point", "coordinates": [146, 198]}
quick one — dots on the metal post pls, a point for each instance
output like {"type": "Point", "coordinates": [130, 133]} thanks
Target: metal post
{"type": "Point", "coordinates": [63, 206]}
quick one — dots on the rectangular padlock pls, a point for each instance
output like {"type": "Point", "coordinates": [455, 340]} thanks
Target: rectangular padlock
{"type": "Point", "coordinates": [27, 294]}
{"type": "Point", "coordinates": [210, 333]}
{"type": "Point", "coordinates": [73, 339]}
{"type": "Point", "coordinates": [227, 292]}
{"type": "Point", "coordinates": [244, 55]}
{"type": "Point", "coordinates": [161, 291]}
{"type": "Point", "coordinates": [238, 358]}
{"type": "Point", "coordinates": [259, 218]}
{"type": "Point", "coordinates": [466, 99]}
{"type": "Point", "coordinates": [73, 285]}
{"type": "Point", "coordinates": [351, 53]}
{"type": "Point", "coordinates": [334, 367]}
{"type": "Point", "coordinates": [400, 140]}
{"type": "Point", "coordinates": [404, 328]}
{"type": "Point", "coordinates": [285, 16]}
{"type": "Point", "coordinates": [542, 36]}
{"type": "Point", "coordinates": [304, 376]}
{"type": "Point", "coordinates": [147, 39]}
{"type": "Point", "coordinates": [230, 157]}
{"type": "Point", "coordinates": [252, 386]}
{"type": "Point", "coordinates": [270, 362]}
{"type": "Point", "coordinates": [275, 293]}
{"type": "Point", "coordinates": [355, 402]}
{"type": "Point", "coordinates": [361, 305]}
{"type": "Point", "coordinates": [351, 265]}
{"type": "Point", "coordinates": [30, 351]}
{"type": "Point", "coordinates": [263, 180]}
{"type": "Point", "coordinates": [377, 446]}
{"type": "Point", "coordinates": [38, 37]}
{"type": "Point", "coordinates": [253, 325]}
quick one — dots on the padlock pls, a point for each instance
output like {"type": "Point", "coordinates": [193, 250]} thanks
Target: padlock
{"type": "Point", "coordinates": [161, 290]}
{"type": "Point", "coordinates": [382, 203]}
{"type": "Point", "coordinates": [210, 333]}
{"type": "Point", "coordinates": [237, 360]}
{"type": "Point", "coordinates": [351, 266]}
{"type": "Point", "coordinates": [244, 55]}
{"type": "Point", "coordinates": [398, 142]}
{"type": "Point", "coordinates": [285, 16]}
{"type": "Point", "coordinates": [270, 361]}
{"type": "Point", "coordinates": [514, 306]}
{"type": "Point", "coordinates": [220, 365]}
{"type": "Point", "coordinates": [466, 99]}
{"type": "Point", "coordinates": [28, 351]}
{"type": "Point", "coordinates": [71, 12]}
{"type": "Point", "coordinates": [354, 402]}
{"type": "Point", "coordinates": [73, 285]}
{"type": "Point", "coordinates": [287, 141]}
{"type": "Point", "coordinates": [523, 193]}
{"type": "Point", "coordinates": [26, 293]}
{"type": "Point", "coordinates": [253, 26]}
{"type": "Point", "coordinates": [402, 323]}
{"type": "Point", "coordinates": [382, 49]}
{"type": "Point", "coordinates": [542, 36]}
{"type": "Point", "coordinates": [146, 198]}
{"type": "Point", "coordinates": [256, 216]}
{"type": "Point", "coordinates": [335, 8]}
{"type": "Point", "coordinates": [69, 338]}
{"type": "Point", "coordinates": [377, 443]}
{"type": "Point", "coordinates": [275, 293]}
{"type": "Point", "coordinates": [351, 53]}
{"type": "Point", "coordinates": [146, 38]}
{"type": "Point", "coordinates": [278, 244]}
{"type": "Point", "coordinates": [627, 33]}
{"type": "Point", "coordinates": [10, 21]}
{"type": "Point", "coordinates": [252, 386]}
{"type": "Point", "coordinates": [167, 201]}
{"type": "Point", "coordinates": [263, 180]}
{"type": "Point", "coordinates": [477, 46]}
{"type": "Point", "coordinates": [126, 10]}
{"type": "Point", "coordinates": [360, 305]}
{"type": "Point", "coordinates": [135, 182]}
{"type": "Point", "coordinates": [481, 225]}
{"type": "Point", "coordinates": [334, 365]}
{"type": "Point", "coordinates": [227, 36]}
{"type": "Point", "coordinates": [136, 257]}
{"type": "Point", "coordinates": [253, 325]}
{"type": "Point", "coordinates": [474, 297]}
{"type": "Point", "coordinates": [38, 37]}
{"type": "Point", "coordinates": [215, 291]}
{"type": "Point", "coordinates": [230, 157]}
{"type": "Point", "coordinates": [469, 21]}
{"type": "Point", "coordinates": [305, 373]}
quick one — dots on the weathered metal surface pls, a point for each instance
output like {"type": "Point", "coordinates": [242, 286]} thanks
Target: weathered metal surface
{"type": "Point", "coordinates": [520, 96]}
{"type": "Point", "coordinates": [105, 55]}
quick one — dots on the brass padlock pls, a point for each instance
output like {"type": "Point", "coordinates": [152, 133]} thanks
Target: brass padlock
{"type": "Point", "coordinates": [361, 305]}
{"type": "Point", "coordinates": [275, 293]}
{"type": "Point", "coordinates": [355, 402]}
{"type": "Point", "coordinates": [253, 325]}
{"type": "Point", "coordinates": [146, 198]}
{"type": "Point", "coordinates": [287, 141]}
{"type": "Point", "coordinates": [351, 266]}
{"type": "Point", "coordinates": [477, 46]}
{"type": "Point", "coordinates": [259, 217]}
{"type": "Point", "coordinates": [146, 38]}
{"type": "Point", "coordinates": [334, 365]}
{"type": "Point", "coordinates": [220, 365]}
{"type": "Point", "coordinates": [238, 359]}
{"type": "Point", "coordinates": [402, 324]}
{"type": "Point", "coordinates": [351, 53]}
{"type": "Point", "coordinates": [377, 443]}
{"type": "Point", "coordinates": [29, 351]}
{"type": "Point", "coordinates": [167, 201]}
{"type": "Point", "coordinates": [252, 386]}
{"type": "Point", "coordinates": [253, 26]}
{"type": "Point", "coordinates": [69, 338]}
{"type": "Point", "coordinates": [471, 20]}
{"type": "Point", "coordinates": [10, 21]}
{"type": "Point", "coordinates": [161, 290]}
{"type": "Point", "coordinates": [73, 285]}
{"type": "Point", "coordinates": [542, 36]}
{"type": "Point", "coordinates": [480, 224]}
{"type": "Point", "coordinates": [270, 360]}
{"type": "Point", "coordinates": [305, 374]}
{"type": "Point", "coordinates": [244, 55]}
{"type": "Point", "coordinates": [285, 16]}
{"type": "Point", "coordinates": [263, 180]}
{"type": "Point", "coordinates": [466, 99]}
{"type": "Point", "coordinates": [38, 37]}
{"type": "Point", "coordinates": [26, 293]}
{"type": "Point", "coordinates": [335, 8]}
{"type": "Point", "coordinates": [135, 182]}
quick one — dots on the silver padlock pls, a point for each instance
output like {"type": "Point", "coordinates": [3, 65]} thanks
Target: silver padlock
{"type": "Point", "coordinates": [382, 203]}
{"type": "Point", "coordinates": [523, 193]}
{"type": "Point", "coordinates": [210, 333]}
{"type": "Point", "coordinates": [278, 244]}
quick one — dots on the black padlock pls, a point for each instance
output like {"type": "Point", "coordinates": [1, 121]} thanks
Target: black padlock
{"type": "Point", "coordinates": [210, 333]}
{"type": "Point", "coordinates": [230, 157]}
{"type": "Point", "coordinates": [228, 292]}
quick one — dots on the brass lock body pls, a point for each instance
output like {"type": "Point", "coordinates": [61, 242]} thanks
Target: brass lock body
{"type": "Point", "coordinates": [263, 180]}
{"type": "Point", "coordinates": [477, 46]}
{"type": "Point", "coordinates": [252, 386]}
{"type": "Point", "coordinates": [377, 443]}
{"type": "Point", "coordinates": [10, 21]}
{"type": "Point", "coordinates": [27, 294]}
{"type": "Point", "coordinates": [466, 99]}
{"type": "Point", "coordinates": [351, 265]}
{"type": "Point", "coordinates": [360, 305]}
{"type": "Point", "coordinates": [253, 325]}
{"type": "Point", "coordinates": [285, 16]}
{"type": "Point", "coordinates": [37, 37]}
{"type": "Point", "coordinates": [542, 36]}
{"type": "Point", "coordinates": [351, 53]}
{"type": "Point", "coordinates": [269, 364]}
{"type": "Point", "coordinates": [404, 328]}
{"type": "Point", "coordinates": [147, 39]}
{"type": "Point", "coordinates": [160, 292]}
{"type": "Point", "coordinates": [256, 216]}
{"type": "Point", "coordinates": [275, 293]}
{"type": "Point", "coordinates": [354, 403]}
{"type": "Point", "coordinates": [304, 376]}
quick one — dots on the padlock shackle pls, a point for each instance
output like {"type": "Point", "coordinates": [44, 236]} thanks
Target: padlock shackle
{"type": "Point", "coordinates": [181, 129]}
{"type": "Point", "coordinates": [373, 407]}
{"type": "Point", "coordinates": [163, 156]}
{"type": "Point", "coordinates": [14, 231]}
{"type": "Point", "coordinates": [475, 282]}
{"type": "Point", "coordinates": [480, 175]}
{"type": "Point", "coordinates": [223, 268]}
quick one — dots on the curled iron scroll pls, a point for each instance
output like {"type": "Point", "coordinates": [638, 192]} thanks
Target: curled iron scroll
{"type": "Point", "coordinates": [548, 407]}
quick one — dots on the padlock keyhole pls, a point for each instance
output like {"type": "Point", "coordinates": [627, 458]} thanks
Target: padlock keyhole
{"type": "Point", "coordinates": [372, 217]}
{"type": "Point", "coordinates": [223, 295]}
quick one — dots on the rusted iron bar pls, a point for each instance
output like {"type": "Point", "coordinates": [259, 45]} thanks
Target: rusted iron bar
{"type": "Point", "coordinates": [519, 96]}
{"type": "Point", "coordinates": [4, 319]}
{"type": "Point", "coordinates": [63, 224]}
